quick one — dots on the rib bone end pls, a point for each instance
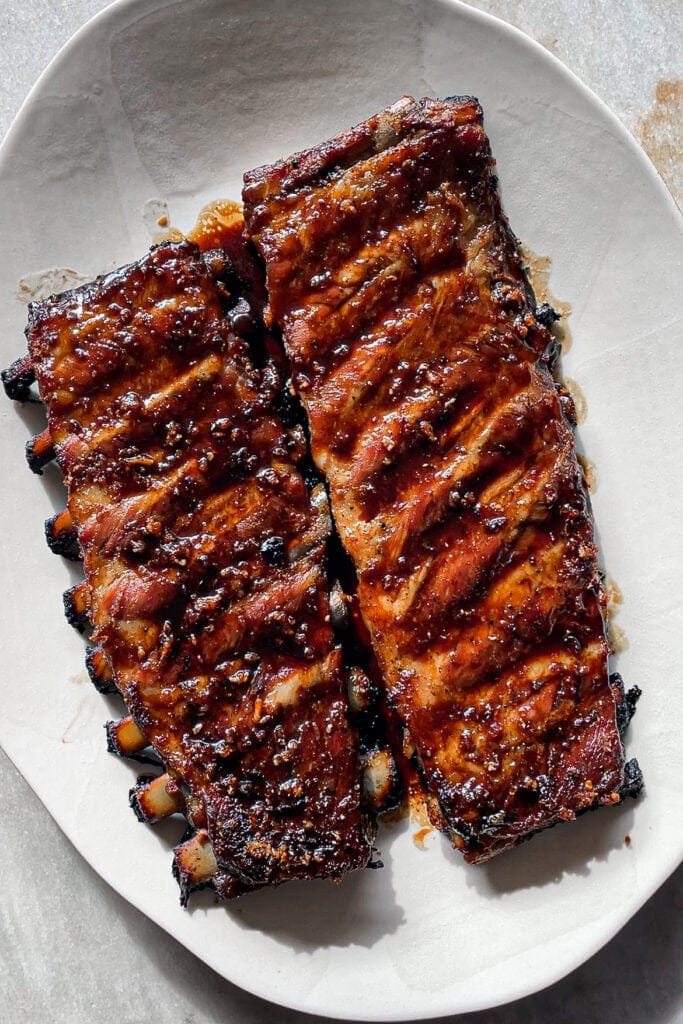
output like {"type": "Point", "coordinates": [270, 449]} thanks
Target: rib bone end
{"type": "Point", "coordinates": [99, 670]}
{"type": "Point", "coordinates": [154, 798]}
{"type": "Point", "coordinates": [18, 378]}
{"type": "Point", "coordinates": [77, 605]}
{"type": "Point", "coordinates": [125, 738]}
{"type": "Point", "coordinates": [194, 864]}
{"type": "Point", "coordinates": [39, 451]}
{"type": "Point", "coordinates": [61, 536]}
{"type": "Point", "coordinates": [381, 780]}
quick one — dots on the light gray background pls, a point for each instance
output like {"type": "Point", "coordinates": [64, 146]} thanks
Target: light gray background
{"type": "Point", "coordinates": [73, 951]}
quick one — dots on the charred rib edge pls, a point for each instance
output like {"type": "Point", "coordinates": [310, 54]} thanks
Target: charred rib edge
{"type": "Point", "coordinates": [61, 536]}
{"type": "Point", "coordinates": [39, 451]}
{"type": "Point", "coordinates": [625, 700]}
{"type": "Point", "coordinates": [18, 378]}
{"type": "Point", "coordinates": [633, 780]}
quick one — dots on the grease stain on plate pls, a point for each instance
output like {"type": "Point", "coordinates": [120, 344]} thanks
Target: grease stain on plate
{"type": "Point", "coordinates": [614, 594]}
{"type": "Point", "coordinates": [661, 133]}
{"type": "Point", "coordinates": [617, 639]}
{"type": "Point", "coordinates": [155, 215]}
{"type": "Point", "coordinates": [43, 283]}
{"type": "Point", "coordinates": [216, 215]}
{"type": "Point", "coordinates": [589, 471]}
{"type": "Point", "coordinates": [578, 398]}
{"type": "Point", "coordinates": [79, 679]}
{"type": "Point", "coordinates": [539, 269]}
{"type": "Point", "coordinates": [420, 836]}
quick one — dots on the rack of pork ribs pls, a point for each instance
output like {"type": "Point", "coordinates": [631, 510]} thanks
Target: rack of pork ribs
{"type": "Point", "coordinates": [197, 499]}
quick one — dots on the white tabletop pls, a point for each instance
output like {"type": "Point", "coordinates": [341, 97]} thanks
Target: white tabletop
{"type": "Point", "coordinates": [73, 951]}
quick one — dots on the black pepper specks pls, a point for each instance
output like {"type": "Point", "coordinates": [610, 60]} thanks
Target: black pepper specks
{"type": "Point", "coordinates": [273, 550]}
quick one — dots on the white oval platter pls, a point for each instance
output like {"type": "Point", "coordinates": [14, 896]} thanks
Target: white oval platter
{"type": "Point", "coordinates": [172, 100]}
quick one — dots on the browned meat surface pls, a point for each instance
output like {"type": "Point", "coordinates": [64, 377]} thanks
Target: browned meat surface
{"type": "Point", "coordinates": [205, 563]}
{"type": "Point", "coordinates": [451, 463]}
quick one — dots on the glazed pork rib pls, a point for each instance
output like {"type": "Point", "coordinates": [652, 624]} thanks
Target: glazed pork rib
{"type": "Point", "coordinates": [205, 568]}
{"type": "Point", "coordinates": [424, 369]}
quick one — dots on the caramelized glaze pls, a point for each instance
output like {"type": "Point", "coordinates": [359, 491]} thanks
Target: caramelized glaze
{"type": "Point", "coordinates": [205, 552]}
{"type": "Point", "coordinates": [424, 366]}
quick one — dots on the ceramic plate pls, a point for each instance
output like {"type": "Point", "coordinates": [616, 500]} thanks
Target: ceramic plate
{"type": "Point", "coordinates": [159, 102]}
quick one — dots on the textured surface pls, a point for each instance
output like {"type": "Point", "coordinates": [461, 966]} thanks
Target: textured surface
{"type": "Point", "coordinates": [205, 558]}
{"type": "Point", "coordinates": [72, 949]}
{"type": "Point", "coordinates": [451, 463]}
